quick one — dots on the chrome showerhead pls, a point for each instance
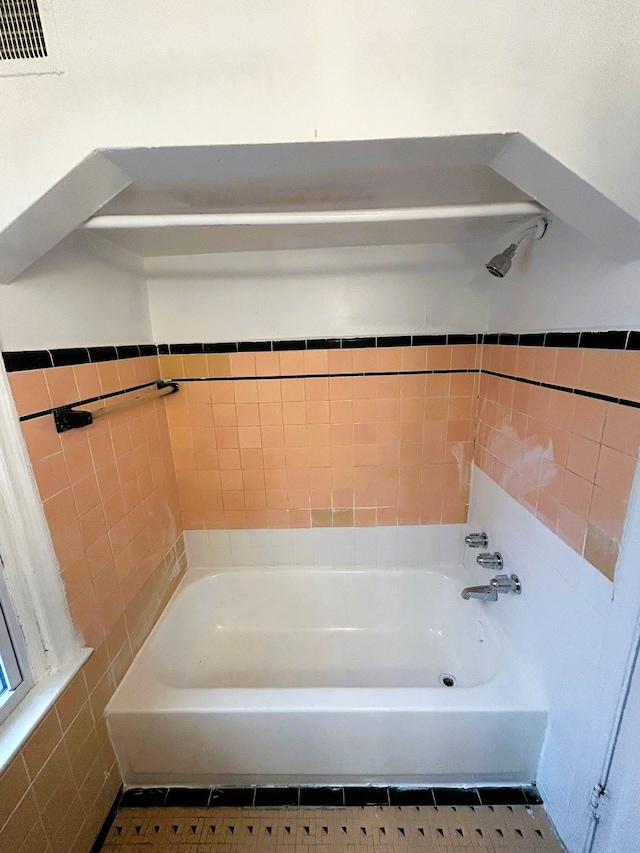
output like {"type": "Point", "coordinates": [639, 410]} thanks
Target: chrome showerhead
{"type": "Point", "coordinates": [500, 264]}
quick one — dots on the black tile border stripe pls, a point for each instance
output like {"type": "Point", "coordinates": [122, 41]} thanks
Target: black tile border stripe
{"type": "Point", "coordinates": [16, 360]}
{"type": "Point", "coordinates": [451, 371]}
{"type": "Point", "coordinates": [293, 796]}
{"type": "Point", "coordinates": [45, 412]}
{"type": "Point", "coordinates": [301, 344]}
{"type": "Point", "coordinates": [568, 390]}
{"type": "Point", "coordinates": [37, 359]}
{"type": "Point", "coordinates": [578, 391]}
{"type": "Point", "coordinates": [324, 375]}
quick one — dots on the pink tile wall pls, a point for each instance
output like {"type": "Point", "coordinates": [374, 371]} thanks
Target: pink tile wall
{"type": "Point", "coordinates": [108, 491]}
{"type": "Point", "coordinates": [323, 451]}
{"type": "Point", "coordinates": [569, 459]}
{"type": "Point", "coordinates": [111, 502]}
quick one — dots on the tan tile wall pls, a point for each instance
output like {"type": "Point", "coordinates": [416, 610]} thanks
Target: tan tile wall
{"type": "Point", "coordinates": [56, 792]}
{"type": "Point", "coordinates": [569, 459]}
{"type": "Point", "coordinates": [256, 452]}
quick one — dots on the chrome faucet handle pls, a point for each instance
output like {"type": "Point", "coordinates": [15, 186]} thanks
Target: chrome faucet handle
{"type": "Point", "coordinates": [504, 584]}
{"type": "Point", "coordinates": [477, 540]}
{"type": "Point", "coordinates": [493, 562]}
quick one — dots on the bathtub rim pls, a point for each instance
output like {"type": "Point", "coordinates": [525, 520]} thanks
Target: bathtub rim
{"type": "Point", "coordinates": [514, 685]}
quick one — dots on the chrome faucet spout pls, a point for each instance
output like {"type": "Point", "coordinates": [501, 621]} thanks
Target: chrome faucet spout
{"type": "Point", "coordinates": [500, 585]}
{"type": "Point", "coordinates": [484, 593]}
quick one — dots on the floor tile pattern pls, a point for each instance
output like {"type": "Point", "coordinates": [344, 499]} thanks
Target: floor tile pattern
{"type": "Point", "coordinates": [364, 829]}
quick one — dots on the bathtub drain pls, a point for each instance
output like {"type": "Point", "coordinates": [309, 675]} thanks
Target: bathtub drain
{"type": "Point", "coordinates": [447, 680]}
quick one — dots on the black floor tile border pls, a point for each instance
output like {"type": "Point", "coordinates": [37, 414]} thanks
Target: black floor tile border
{"type": "Point", "coordinates": [232, 798]}
{"type": "Point", "coordinates": [457, 797]}
{"type": "Point", "coordinates": [101, 837]}
{"type": "Point", "coordinates": [502, 797]}
{"type": "Point", "coordinates": [276, 797]}
{"type": "Point", "coordinates": [411, 797]}
{"type": "Point", "coordinates": [325, 797]}
{"type": "Point", "coordinates": [144, 797]}
{"type": "Point", "coordinates": [533, 796]}
{"type": "Point", "coordinates": [321, 797]}
{"type": "Point", "coordinates": [366, 796]}
{"type": "Point", "coordinates": [16, 360]}
{"type": "Point", "coordinates": [194, 798]}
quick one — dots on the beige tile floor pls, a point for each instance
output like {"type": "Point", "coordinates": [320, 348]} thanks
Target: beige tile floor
{"type": "Point", "coordinates": [366, 829]}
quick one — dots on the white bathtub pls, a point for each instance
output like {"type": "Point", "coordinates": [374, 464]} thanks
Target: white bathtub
{"type": "Point", "coordinates": [271, 675]}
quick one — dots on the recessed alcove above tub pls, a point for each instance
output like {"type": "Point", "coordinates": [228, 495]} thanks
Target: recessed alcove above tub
{"type": "Point", "coordinates": [506, 171]}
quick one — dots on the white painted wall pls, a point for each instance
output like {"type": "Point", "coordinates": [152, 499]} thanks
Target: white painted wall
{"type": "Point", "coordinates": [291, 70]}
{"type": "Point", "coordinates": [619, 825]}
{"type": "Point", "coordinates": [316, 293]}
{"type": "Point", "coordinates": [564, 282]}
{"type": "Point", "coordinates": [558, 625]}
{"type": "Point", "coordinates": [84, 292]}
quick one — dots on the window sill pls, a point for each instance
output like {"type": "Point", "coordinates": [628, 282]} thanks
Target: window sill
{"type": "Point", "coordinates": [16, 729]}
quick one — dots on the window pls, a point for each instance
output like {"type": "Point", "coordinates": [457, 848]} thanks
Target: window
{"type": "Point", "coordinates": [39, 651]}
{"type": "Point", "coordinates": [14, 681]}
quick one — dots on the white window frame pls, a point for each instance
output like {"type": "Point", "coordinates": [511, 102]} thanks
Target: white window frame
{"type": "Point", "coordinates": [35, 604]}
{"type": "Point", "coordinates": [13, 656]}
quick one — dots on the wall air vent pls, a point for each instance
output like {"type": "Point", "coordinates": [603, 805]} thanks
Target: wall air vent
{"type": "Point", "coordinates": [21, 33]}
{"type": "Point", "coordinates": [27, 38]}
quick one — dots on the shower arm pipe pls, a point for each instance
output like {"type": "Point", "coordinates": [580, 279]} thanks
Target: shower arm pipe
{"type": "Point", "coordinates": [537, 229]}
{"type": "Point", "coordinates": [314, 217]}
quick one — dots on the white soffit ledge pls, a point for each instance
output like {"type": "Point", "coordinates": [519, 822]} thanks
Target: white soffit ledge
{"type": "Point", "coordinates": [81, 192]}
{"type": "Point", "coordinates": [104, 174]}
{"type": "Point", "coordinates": [569, 197]}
